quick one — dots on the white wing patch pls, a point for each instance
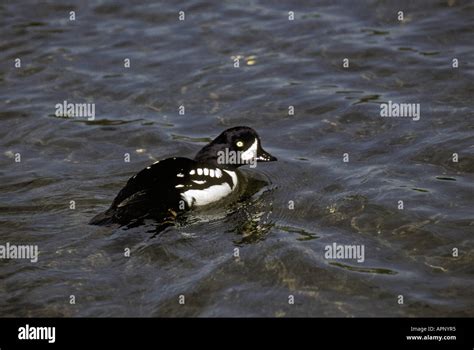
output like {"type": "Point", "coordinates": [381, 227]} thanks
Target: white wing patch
{"type": "Point", "coordinates": [199, 182]}
{"type": "Point", "coordinates": [204, 171]}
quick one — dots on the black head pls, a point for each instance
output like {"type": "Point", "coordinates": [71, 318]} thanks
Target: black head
{"type": "Point", "coordinates": [235, 147]}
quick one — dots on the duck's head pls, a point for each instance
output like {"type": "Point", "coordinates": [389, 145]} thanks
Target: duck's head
{"type": "Point", "coordinates": [235, 147]}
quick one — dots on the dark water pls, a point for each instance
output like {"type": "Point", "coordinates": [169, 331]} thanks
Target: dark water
{"type": "Point", "coordinates": [408, 252]}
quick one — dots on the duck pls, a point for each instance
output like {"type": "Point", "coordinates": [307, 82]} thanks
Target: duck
{"type": "Point", "coordinates": [175, 185]}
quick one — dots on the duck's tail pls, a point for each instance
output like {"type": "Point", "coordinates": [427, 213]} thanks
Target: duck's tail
{"type": "Point", "coordinates": [105, 218]}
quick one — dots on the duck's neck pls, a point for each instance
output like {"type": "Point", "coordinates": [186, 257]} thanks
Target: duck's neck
{"type": "Point", "coordinates": [209, 155]}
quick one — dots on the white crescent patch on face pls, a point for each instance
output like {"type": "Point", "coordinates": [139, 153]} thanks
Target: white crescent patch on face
{"type": "Point", "coordinates": [251, 152]}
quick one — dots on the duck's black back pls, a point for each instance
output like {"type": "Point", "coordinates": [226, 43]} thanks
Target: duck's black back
{"type": "Point", "coordinates": [149, 194]}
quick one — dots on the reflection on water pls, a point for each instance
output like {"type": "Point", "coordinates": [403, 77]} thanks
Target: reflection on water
{"type": "Point", "coordinates": [246, 257]}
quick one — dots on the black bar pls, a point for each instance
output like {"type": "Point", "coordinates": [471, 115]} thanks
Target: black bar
{"type": "Point", "coordinates": [171, 332]}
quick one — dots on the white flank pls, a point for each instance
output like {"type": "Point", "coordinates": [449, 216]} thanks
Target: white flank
{"type": "Point", "coordinates": [233, 175]}
{"type": "Point", "coordinates": [206, 196]}
{"type": "Point", "coordinates": [212, 193]}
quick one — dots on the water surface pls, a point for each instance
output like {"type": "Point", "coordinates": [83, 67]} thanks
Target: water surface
{"type": "Point", "coordinates": [283, 63]}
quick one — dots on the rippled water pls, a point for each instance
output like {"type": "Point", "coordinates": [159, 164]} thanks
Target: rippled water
{"type": "Point", "coordinates": [283, 63]}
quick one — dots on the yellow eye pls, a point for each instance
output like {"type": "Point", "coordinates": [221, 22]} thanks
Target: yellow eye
{"type": "Point", "coordinates": [240, 144]}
